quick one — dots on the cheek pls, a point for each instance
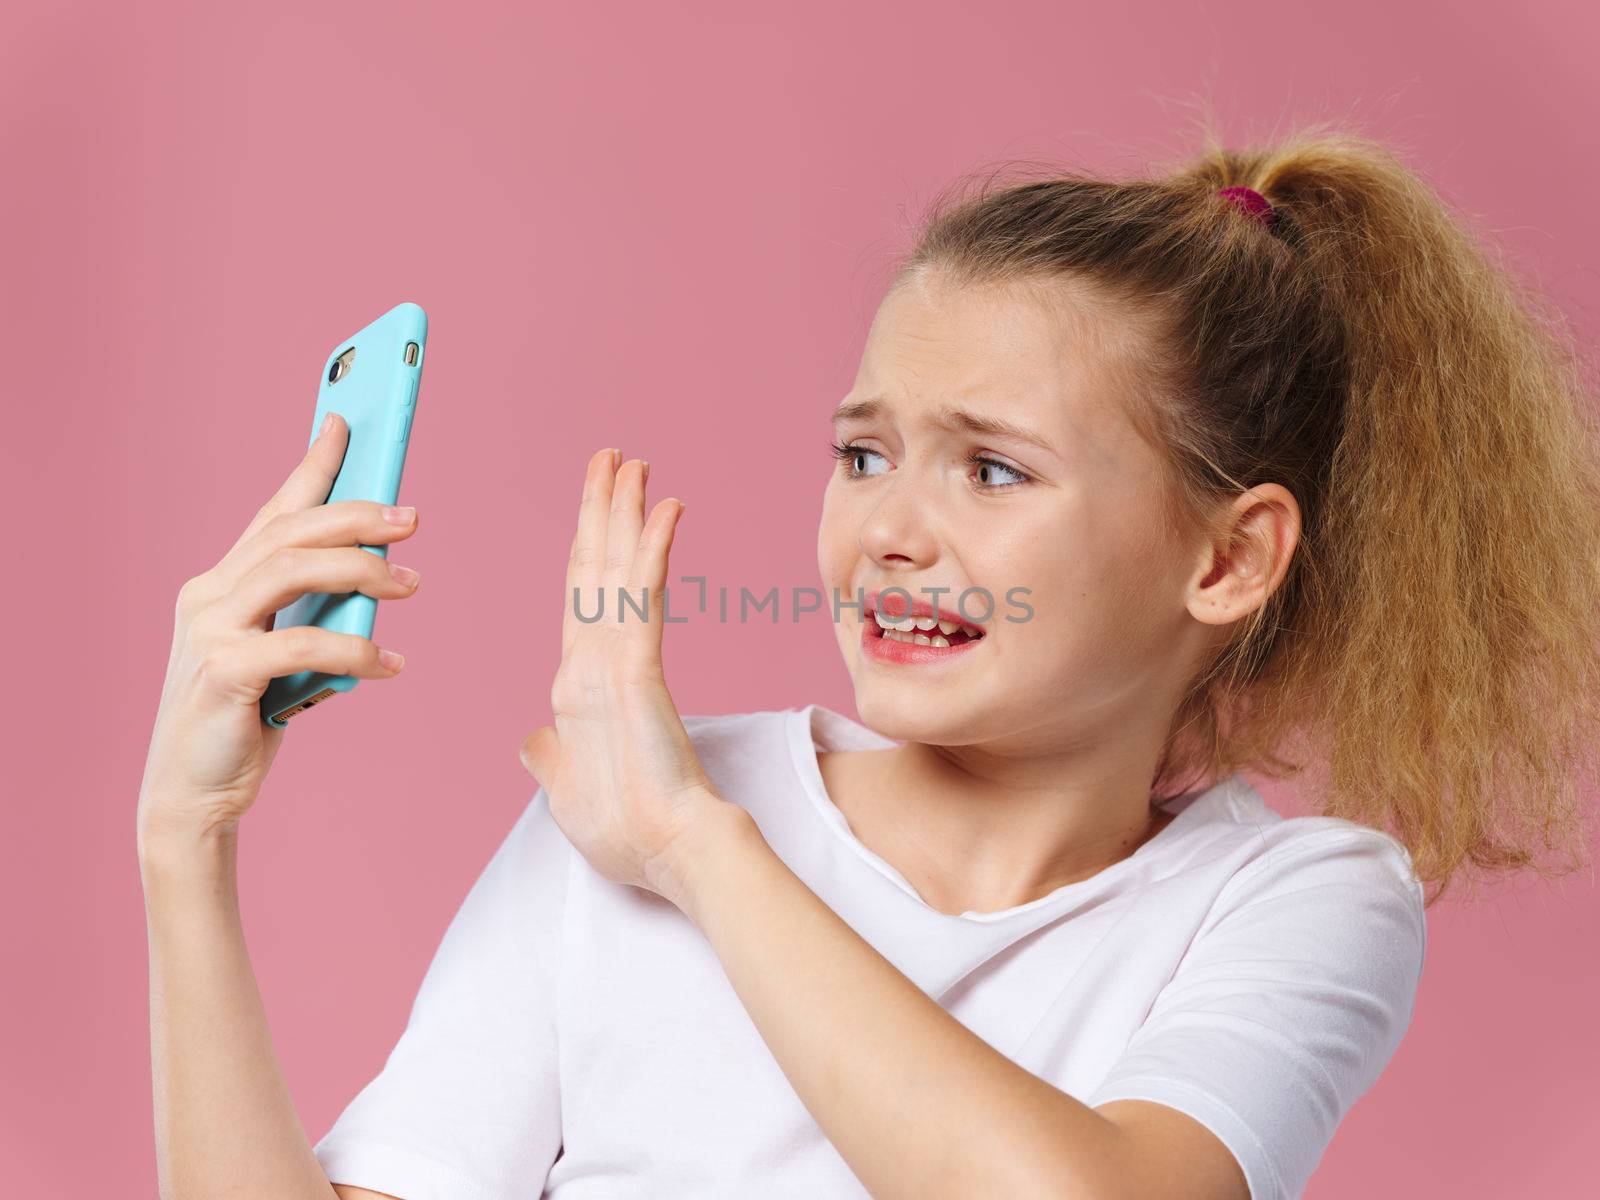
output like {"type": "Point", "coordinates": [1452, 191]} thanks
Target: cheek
{"type": "Point", "coordinates": [1041, 559]}
{"type": "Point", "coordinates": [836, 542]}
{"type": "Point", "coordinates": [1089, 578]}
{"type": "Point", "coordinates": [831, 560]}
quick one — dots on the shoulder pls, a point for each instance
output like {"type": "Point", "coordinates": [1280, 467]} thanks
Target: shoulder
{"type": "Point", "coordinates": [1295, 985]}
{"type": "Point", "coordinates": [1269, 853]}
{"type": "Point", "coordinates": [1315, 886]}
{"type": "Point", "coordinates": [1322, 898]}
{"type": "Point", "coordinates": [1316, 856]}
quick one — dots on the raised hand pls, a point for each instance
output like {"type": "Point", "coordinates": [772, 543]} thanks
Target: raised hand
{"type": "Point", "coordinates": [623, 780]}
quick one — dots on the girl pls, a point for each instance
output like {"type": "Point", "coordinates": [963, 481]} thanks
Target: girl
{"type": "Point", "coordinates": [1275, 459]}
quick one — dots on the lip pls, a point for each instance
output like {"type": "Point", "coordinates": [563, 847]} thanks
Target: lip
{"type": "Point", "coordinates": [887, 650]}
{"type": "Point", "coordinates": [918, 609]}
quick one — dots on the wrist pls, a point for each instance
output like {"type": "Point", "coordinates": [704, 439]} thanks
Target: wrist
{"type": "Point", "coordinates": [167, 845]}
{"type": "Point", "coordinates": [720, 829]}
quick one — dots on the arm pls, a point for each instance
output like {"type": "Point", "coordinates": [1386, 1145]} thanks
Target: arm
{"type": "Point", "coordinates": [914, 1101]}
{"type": "Point", "coordinates": [467, 1102]}
{"type": "Point", "coordinates": [225, 1123]}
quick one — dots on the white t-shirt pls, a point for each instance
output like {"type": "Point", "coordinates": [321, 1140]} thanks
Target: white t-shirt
{"type": "Point", "coordinates": [578, 1038]}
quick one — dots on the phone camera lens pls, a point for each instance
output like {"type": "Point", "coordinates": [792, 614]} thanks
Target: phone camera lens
{"type": "Point", "coordinates": [342, 365]}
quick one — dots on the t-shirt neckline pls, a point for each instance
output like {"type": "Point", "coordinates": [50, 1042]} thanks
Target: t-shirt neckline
{"type": "Point", "coordinates": [839, 732]}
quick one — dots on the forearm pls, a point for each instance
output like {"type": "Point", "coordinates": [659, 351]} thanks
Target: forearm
{"type": "Point", "coordinates": [225, 1123]}
{"type": "Point", "coordinates": [916, 1103]}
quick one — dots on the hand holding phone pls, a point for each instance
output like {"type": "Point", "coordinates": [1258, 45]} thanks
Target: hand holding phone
{"type": "Point", "coordinates": [210, 750]}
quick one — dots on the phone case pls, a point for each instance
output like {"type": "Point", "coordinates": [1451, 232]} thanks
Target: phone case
{"type": "Point", "coordinates": [377, 396]}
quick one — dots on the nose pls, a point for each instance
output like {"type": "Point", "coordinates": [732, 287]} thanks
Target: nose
{"type": "Point", "coordinates": [899, 527]}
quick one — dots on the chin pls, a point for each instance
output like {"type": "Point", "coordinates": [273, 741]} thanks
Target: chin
{"type": "Point", "coordinates": [908, 714]}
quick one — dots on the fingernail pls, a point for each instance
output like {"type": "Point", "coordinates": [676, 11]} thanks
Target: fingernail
{"type": "Point", "coordinates": [327, 424]}
{"type": "Point", "coordinates": [399, 516]}
{"type": "Point", "coordinates": [644, 470]}
{"type": "Point", "coordinates": [616, 459]}
{"type": "Point", "coordinates": [404, 574]}
{"type": "Point", "coordinates": [391, 660]}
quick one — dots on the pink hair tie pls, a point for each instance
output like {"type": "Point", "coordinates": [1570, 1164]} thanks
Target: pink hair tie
{"type": "Point", "coordinates": [1251, 202]}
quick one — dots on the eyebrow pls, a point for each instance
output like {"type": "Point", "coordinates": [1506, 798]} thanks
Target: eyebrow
{"type": "Point", "coordinates": [862, 410]}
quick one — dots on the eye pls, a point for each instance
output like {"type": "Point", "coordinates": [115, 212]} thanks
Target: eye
{"type": "Point", "coordinates": [983, 463]}
{"type": "Point", "coordinates": [847, 453]}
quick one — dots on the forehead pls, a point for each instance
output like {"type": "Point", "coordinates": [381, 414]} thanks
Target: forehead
{"type": "Point", "coordinates": [1047, 354]}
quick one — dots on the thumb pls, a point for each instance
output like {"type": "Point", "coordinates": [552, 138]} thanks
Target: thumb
{"type": "Point", "coordinates": [538, 752]}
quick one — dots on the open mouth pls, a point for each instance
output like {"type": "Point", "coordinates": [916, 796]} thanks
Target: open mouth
{"type": "Point", "coordinates": [925, 631]}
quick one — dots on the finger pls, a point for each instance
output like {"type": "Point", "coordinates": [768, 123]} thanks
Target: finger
{"type": "Point", "coordinates": [650, 565]}
{"type": "Point", "coordinates": [625, 523]}
{"type": "Point", "coordinates": [586, 561]}
{"type": "Point", "coordinates": [296, 571]}
{"type": "Point", "coordinates": [342, 523]}
{"type": "Point", "coordinates": [247, 665]}
{"type": "Point", "coordinates": [311, 481]}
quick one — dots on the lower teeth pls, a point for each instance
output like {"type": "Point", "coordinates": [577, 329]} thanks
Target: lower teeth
{"type": "Point", "coordinates": [919, 639]}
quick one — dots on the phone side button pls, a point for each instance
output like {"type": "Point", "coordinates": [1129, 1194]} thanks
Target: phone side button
{"type": "Point", "coordinates": [408, 394]}
{"type": "Point", "coordinates": [402, 424]}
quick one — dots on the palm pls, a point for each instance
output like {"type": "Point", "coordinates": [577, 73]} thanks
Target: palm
{"type": "Point", "coordinates": [619, 768]}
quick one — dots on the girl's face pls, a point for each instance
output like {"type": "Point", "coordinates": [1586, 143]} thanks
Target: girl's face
{"type": "Point", "coordinates": [1063, 504]}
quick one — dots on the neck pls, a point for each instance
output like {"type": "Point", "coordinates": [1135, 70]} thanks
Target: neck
{"type": "Point", "coordinates": [972, 830]}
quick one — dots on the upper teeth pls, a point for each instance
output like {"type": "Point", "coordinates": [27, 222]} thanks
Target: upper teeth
{"type": "Point", "coordinates": [908, 624]}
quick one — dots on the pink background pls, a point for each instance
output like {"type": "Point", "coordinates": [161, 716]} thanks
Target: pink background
{"type": "Point", "coordinates": [662, 226]}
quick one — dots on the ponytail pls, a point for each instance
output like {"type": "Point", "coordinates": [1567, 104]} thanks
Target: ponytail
{"type": "Point", "coordinates": [1435, 643]}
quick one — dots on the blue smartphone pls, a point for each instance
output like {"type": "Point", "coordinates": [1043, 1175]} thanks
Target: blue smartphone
{"type": "Point", "coordinates": [371, 380]}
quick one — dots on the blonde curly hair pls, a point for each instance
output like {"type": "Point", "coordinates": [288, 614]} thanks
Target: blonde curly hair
{"type": "Point", "coordinates": [1434, 643]}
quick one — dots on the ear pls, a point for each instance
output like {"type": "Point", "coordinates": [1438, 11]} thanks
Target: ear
{"type": "Point", "coordinates": [1244, 564]}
